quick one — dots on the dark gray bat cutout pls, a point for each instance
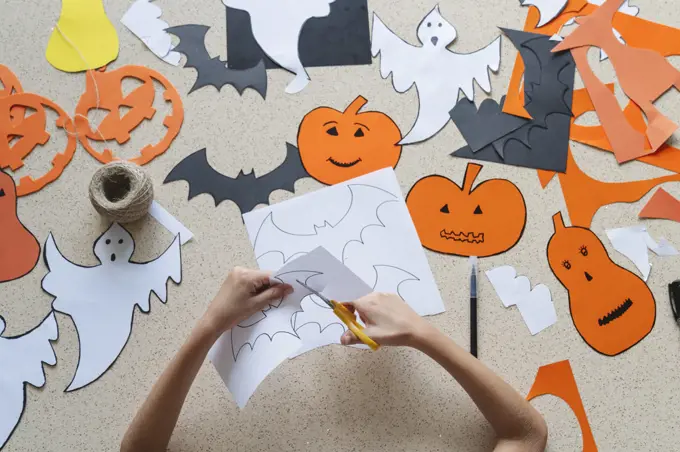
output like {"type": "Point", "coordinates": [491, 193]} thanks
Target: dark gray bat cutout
{"type": "Point", "coordinates": [340, 39]}
{"type": "Point", "coordinates": [213, 71]}
{"type": "Point", "coordinates": [543, 141]}
{"type": "Point", "coordinates": [246, 190]}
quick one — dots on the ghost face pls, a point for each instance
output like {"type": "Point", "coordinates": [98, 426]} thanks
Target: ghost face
{"type": "Point", "coordinates": [115, 246]}
{"type": "Point", "coordinates": [435, 32]}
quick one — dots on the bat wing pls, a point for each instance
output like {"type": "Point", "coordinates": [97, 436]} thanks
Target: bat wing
{"type": "Point", "coordinates": [213, 71]}
{"type": "Point", "coordinates": [397, 57]}
{"type": "Point", "coordinates": [474, 66]}
{"type": "Point", "coordinates": [388, 278]}
{"type": "Point", "coordinates": [153, 276]}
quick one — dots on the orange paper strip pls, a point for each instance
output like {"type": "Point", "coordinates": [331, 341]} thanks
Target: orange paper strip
{"type": "Point", "coordinates": [662, 206]}
{"type": "Point", "coordinates": [558, 379]}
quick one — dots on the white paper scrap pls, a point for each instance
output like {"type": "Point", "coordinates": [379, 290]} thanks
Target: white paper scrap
{"type": "Point", "coordinates": [170, 223]}
{"type": "Point", "coordinates": [143, 20]}
{"type": "Point", "coordinates": [634, 241]}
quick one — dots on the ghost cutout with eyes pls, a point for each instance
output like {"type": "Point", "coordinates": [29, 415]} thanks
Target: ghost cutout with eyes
{"type": "Point", "coordinates": [101, 300]}
{"type": "Point", "coordinates": [438, 73]}
{"type": "Point", "coordinates": [21, 360]}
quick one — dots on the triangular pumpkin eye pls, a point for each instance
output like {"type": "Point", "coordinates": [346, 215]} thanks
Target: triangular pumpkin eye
{"type": "Point", "coordinates": [2, 192]}
{"type": "Point", "coordinates": [332, 131]}
{"type": "Point", "coordinates": [444, 209]}
{"type": "Point", "coordinates": [478, 210]}
{"type": "Point", "coordinates": [359, 133]}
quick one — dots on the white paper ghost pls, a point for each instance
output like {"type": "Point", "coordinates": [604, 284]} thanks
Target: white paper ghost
{"type": "Point", "coordinates": [438, 73]}
{"type": "Point", "coordinates": [143, 20]}
{"type": "Point", "coordinates": [21, 364]}
{"type": "Point", "coordinates": [101, 299]}
{"type": "Point", "coordinates": [276, 26]}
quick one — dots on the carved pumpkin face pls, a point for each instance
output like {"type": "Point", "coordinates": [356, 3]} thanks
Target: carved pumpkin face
{"type": "Point", "coordinates": [464, 222]}
{"type": "Point", "coordinates": [126, 112]}
{"type": "Point", "coordinates": [11, 85]}
{"type": "Point", "coordinates": [612, 308]}
{"type": "Point", "coordinates": [337, 146]}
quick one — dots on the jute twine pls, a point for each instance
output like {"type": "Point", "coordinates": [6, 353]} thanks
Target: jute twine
{"type": "Point", "coordinates": [121, 191]}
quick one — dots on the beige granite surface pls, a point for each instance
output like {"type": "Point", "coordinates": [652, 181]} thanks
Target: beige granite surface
{"type": "Point", "coordinates": [331, 399]}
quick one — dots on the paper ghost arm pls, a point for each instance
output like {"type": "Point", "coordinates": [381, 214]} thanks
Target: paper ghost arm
{"type": "Point", "coordinates": [397, 57]}
{"type": "Point", "coordinates": [156, 273]}
{"type": "Point", "coordinates": [61, 268]}
{"type": "Point", "coordinates": [475, 67]}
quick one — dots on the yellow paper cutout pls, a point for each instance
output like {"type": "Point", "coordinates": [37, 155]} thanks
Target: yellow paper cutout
{"type": "Point", "coordinates": [83, 38]}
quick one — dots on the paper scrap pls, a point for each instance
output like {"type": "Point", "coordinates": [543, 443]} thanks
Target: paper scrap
{"type": "Point", "coordinates": [547, 9]}
{"type": "Point", "coordinates": [662, 205]}
{"type": "Point", "coordinates": [170, 223]}
{"type": "Point", "coordinates": [633, 243]}
{"type": "Point", "coordinates": [143, 20]}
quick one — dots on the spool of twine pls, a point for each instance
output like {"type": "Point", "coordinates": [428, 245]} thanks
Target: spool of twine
{"type": "Point", "coordinates": [121, 191]}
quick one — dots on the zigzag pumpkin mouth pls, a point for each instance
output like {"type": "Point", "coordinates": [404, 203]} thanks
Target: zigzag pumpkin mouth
{"type": "Point", "coordinates": [469, 237]}
{"type": "Point", "coordinates": [616, 313]}
{"type": "Point", "coordinates": [343, 164]}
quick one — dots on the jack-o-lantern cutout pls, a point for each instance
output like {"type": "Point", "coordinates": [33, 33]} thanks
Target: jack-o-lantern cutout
{"type": "Point", "coordinates": [483, 221]}
{"type": "Point", "coordinates": [337, 146]}
{"type": "Point", "coordinates": [18, 138]}
{"type": "Point", "coordinates": [611, 307]}
{"type": "Point", "coordinates": [126, 112]}
{"type": "Point", "coordinates": [19, 249]}
{"type": "Point", "coordinates": [10, 85]}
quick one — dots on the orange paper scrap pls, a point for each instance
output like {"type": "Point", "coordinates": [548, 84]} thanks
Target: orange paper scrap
{"type": "Point", "coordinates": [662, 206]}
{"type": "Point", "coordinates": [558, 379]}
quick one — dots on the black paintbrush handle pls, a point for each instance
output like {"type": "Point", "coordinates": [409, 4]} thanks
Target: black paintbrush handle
{"type": "Point", "coordinates": [473, 326]}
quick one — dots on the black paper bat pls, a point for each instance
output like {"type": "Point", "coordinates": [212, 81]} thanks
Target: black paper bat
{"type": "Point", "coordinates": [246, 190]}
{"type": "Point", "coordinates": [213, 71]}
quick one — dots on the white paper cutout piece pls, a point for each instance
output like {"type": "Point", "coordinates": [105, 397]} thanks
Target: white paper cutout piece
{"type": "Point", "coordinates": [21, 364]}
{"type": "Point", "coordinates": [170, 223]}
{"type": "Point", "coordinates": [438, 73]}
{"type": "Point", "coordinates": [547, 9]}
{"type": "Point", "coordinates": [246, 354]}
{"type": "Point", "coordinates": [101, 299]}
{"type": "Point", "coordinates": [633, 243]}
{"type": "Point", "coordinates": [276, 26]}
{"type": "Point", "coordinates": [143, 20]}
{"type": "Point", "coordinates": [535, 305]}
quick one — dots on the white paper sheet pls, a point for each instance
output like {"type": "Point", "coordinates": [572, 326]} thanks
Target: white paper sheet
{"type": "Point", "coordinates": [170, 223]}
{"type": "Point", "coordinates": [535, 306]}
{"type": "Point", "coordinates": [21, 361]}
{"type": "Point", "coordinates": [438, 73]}
{"type": "Point", "coordinates": [276, 26]}
{"type": "Point", "coordinates": [547, 9]}
{"type": "Point", "coordinates": [245, 355]}
{"type": "Point", "coordinates": [101, 299]}
{"type": "Point", "coordinates": [143, 20]}
{"type": "Point", "coordinates": [633, 243]}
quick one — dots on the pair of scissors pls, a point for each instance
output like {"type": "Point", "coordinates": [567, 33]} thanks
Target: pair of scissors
{"type": "Point", "coordinates": [347, 317]}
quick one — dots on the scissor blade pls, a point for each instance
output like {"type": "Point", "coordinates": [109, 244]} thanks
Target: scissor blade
{"type": "Point", "coordinates": [317, 293]}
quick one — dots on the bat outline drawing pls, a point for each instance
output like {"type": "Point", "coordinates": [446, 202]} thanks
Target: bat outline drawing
{"type": "Point", "coordinates": [246, 190]}
{"type": "Point", "coordinates": [52, 284]}
{"type": "Point", "coordinates": [48, 328]}
{"type": "Point", "coordinates": [212, 70]}
{"type": "Point", "coordinates": [439, 93]}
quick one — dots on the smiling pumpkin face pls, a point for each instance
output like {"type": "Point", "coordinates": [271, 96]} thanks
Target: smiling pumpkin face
{"type": "Point", "coordinates": [464, 222]}
{"type": "Point", "coordinates": [337, 146]}
{"type": "Point", "coordinates": [612, 308]}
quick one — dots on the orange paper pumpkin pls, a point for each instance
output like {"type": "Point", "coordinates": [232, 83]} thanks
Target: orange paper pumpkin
{"type": "Point", "coordinates": [22, 136]}
{"type": "Point", "coordinates": [612, 308]}
{"type": "Point", "coordinates": [19, 249]}
{"type": "Point", "coordinates": [483, 221]}
{"type": "Point", "coordinates": [11, 85]}
{"type": "Point", "coordinates": [104, 91]}
{"type": "Point", "coordinates": [337, 146]}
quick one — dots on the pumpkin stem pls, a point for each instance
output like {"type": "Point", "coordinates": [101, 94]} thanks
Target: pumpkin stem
{"type": "Point", "coordinates": [356, 105]}
{"type": "Point", "coordinates": [471, 173]}
{"type": "Point", "coordinates": [558, 221]}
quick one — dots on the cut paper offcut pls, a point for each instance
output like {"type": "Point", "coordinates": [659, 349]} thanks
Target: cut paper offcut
{"type": "Point", "coordinates": [463, 221]}
{"type": "Point", "coordinates": [21, 135]}
{"type": "Point", "coordinates": [101, 306]}
{"type": "Point", "coordinates": [633, 243]}
{"type": "Point", "coordinates": [611, 307]}
{"type": "Point", "coordinates": [245, 190]}
{"type": "Point", "coordinates": [170, 223]}
{"type": "Point", "coordinates": [541, 142]}
{"type": "Point", "coordinates": [143, 20]}
{"type": "Point", "coordinates": [83, 38]}
{"type": "Point", "coordinates": [19, 249]}
{"type": "Point", "coordinates": [358, 222]}
{"type": "Point", "coordinates": [438, 73]}
{"type": "Point", "coordinates": [104, 91]}
{"type": "Point", "coordinates": [341, 38]}
{"type": "Point", "coordinates": [212, 71]}
{"type": "Point", "coordinates": [246, 354]}
{"type": "Point", "coordinates": [276, 26]}
{"type": "Point", "coordinates": [662, 205]}
{"type": "Point", "coordinates": [557, 379]}
{"type": "Point", "coordinates": [547, 9]}
{"type": "Point", "coordinates": [535, 305]}
{"type": "Point", "coordinates": [337, 146]}
{"type": "Point", "coordinates": [21, 364]}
